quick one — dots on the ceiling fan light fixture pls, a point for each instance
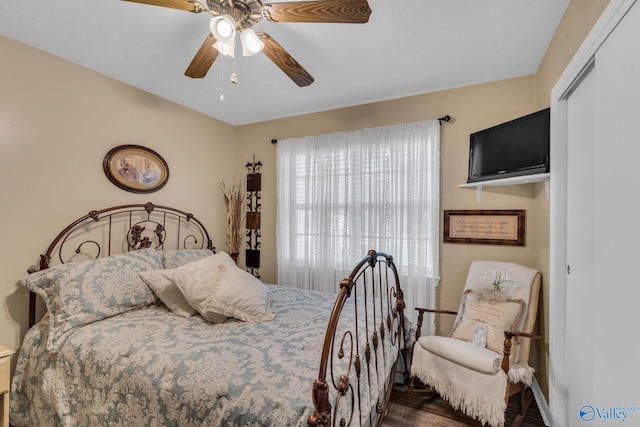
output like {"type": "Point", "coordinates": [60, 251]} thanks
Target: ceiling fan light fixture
{"type": "Point", "coordinates": [223, 28]}
{"type": "Point", "coordinates": [226, 49]}
{"type": "Point", "coordinates": [251, 43]}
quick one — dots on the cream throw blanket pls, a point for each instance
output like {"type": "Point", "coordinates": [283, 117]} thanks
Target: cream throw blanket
{"type": "Point", "coordinates": [477, 394]}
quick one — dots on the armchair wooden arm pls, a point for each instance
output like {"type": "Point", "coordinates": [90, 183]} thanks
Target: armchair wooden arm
{"type": "Point", "coordinates": [508, 335]}
{"type": "Point", "coordinates": [422, 311]}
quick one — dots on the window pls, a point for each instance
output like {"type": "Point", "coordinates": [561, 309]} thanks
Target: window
{"type": "Point", "coordinates": [341, 194]}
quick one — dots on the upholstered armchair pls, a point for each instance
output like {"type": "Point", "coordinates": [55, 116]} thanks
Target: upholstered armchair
{"type": "Point", "coordinates": [485, 358]}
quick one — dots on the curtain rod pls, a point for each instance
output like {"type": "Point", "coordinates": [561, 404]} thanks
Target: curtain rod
{"type": "Point", "coordinates": [445, 118]}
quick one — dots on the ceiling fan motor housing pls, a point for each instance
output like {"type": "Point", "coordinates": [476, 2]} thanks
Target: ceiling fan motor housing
{"type": "Point", "coordinates": [246, 13]}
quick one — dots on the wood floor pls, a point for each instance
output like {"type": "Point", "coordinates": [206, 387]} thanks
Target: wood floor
{"type": "Point", "coordinates": [405, 411]}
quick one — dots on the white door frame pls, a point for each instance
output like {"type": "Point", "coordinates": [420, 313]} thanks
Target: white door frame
{"type": "Point", "coordinates": [570, 78]}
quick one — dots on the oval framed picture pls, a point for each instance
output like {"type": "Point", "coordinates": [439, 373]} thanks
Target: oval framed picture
{"type": "Point", "coordinates": [136, 169]}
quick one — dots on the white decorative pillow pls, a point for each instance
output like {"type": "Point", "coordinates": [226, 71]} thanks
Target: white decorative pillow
{"type": "Point", "coordinates": [498, 314]}
{"type": "Point", "coordinates": [168, 293]}
{"type": "Point", "coordinates": [218, 289]}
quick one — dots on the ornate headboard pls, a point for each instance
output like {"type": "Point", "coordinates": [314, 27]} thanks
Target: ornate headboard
{"type": "Point", "coordinates": [120, 229]}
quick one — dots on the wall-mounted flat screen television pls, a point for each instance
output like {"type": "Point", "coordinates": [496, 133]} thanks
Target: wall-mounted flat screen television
{"type": "Point", "coordinates": [515, 148]}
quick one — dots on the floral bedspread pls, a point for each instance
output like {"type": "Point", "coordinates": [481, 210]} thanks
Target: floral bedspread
{"type": "Point", "coordinates": [149, 367]}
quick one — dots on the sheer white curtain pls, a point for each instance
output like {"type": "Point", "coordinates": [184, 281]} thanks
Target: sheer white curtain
{"type": "Point", "coordinates": [341, 194]}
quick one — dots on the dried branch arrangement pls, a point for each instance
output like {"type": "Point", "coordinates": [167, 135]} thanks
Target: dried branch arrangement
{"type": "Point", "coordinates": [234, 197]}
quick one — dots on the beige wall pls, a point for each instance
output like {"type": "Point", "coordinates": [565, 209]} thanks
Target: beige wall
{"type": "Point", "coordinates": [57, 122]}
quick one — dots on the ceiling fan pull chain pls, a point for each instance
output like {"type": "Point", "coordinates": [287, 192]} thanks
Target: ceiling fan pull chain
{"type": "Point", "coordinates": [234, 76]}
{"type": "Point", "coordinates": [222, 78]}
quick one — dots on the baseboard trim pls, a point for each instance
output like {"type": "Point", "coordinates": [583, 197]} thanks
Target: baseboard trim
{"type": "Point", "coordinates": [545, 413]}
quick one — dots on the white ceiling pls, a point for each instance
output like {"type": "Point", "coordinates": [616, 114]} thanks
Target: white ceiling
{"type": "Point", "coordinates": [408, 47]}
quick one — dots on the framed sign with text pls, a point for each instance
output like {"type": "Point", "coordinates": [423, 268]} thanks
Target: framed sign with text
{"type": "Point", "coordinates": [487, 227]}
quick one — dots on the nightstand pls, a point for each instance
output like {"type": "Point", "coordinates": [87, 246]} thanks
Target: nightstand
{"type": "Point", "coordinates": [5, 373]}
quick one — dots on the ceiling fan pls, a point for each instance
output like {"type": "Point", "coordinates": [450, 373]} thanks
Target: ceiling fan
{"type": "Point", "coordinates": [231, 16]}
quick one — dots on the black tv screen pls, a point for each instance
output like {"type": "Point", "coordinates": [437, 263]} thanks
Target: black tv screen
{"type": "Point", "coordinates": [515, 148]}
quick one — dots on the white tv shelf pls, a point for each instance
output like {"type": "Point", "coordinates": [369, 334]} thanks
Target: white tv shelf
{"type": "Point", "coordinates": [515, 180]}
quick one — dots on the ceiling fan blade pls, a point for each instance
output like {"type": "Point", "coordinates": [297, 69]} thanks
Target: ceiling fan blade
{"type": "Point", "coordinates": [284, 61]}
{"type": "Point", "coordinates": [338, 11]}
{"type": "Point", "coordinates": [203, 59]}
{"type": "Point", "coordinates": [188, 5]}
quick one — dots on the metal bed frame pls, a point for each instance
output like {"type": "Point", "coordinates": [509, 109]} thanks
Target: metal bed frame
{"type": "Point", "coordinates": [129, 227]}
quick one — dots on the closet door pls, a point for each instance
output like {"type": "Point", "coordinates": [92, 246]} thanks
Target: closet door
{"type": "Point", "coordinates": [617, 234]}
{"type": "Point", "coordinates": [581, 269]}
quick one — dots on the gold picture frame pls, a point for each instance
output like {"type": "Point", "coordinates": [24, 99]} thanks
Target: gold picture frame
{"type": "Point", "coordinates": [136, 169]}
{"type": "Point", "coordinates": [488, 227]}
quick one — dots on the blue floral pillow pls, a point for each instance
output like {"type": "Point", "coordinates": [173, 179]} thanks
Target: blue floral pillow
{"type": "Point", "coordinates": [79, 293]}
{"type": "Point", "coordinates": [178, 258]}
